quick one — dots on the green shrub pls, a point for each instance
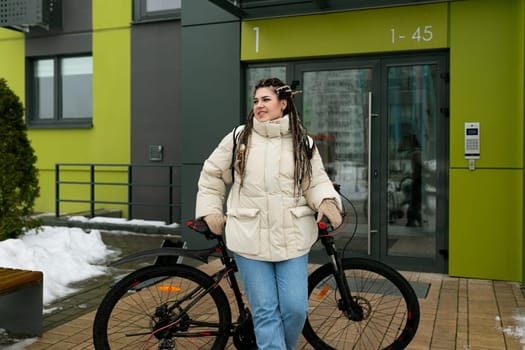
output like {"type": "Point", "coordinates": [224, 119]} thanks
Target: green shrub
{"type": "Point", "coordinates": [18, 175]}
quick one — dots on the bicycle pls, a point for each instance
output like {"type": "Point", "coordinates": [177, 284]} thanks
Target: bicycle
{"type": "Point", "coordinates": [354, 303]}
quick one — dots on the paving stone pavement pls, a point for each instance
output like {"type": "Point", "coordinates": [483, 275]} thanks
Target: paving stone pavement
{"type": "Point", "coordinates": [456, 313]}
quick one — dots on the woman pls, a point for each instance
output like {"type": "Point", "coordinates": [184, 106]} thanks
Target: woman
{"type": "Point", "coordinates": [279, 184]}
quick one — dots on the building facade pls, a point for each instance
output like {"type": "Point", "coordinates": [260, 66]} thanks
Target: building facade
{"type": "Point", "coordinates": [417, 108]}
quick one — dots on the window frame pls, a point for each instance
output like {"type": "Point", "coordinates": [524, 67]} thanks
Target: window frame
{"type": "Point", "coordinates": [141, 15]}
{"type": "Point", "coordinates": [58, 121]}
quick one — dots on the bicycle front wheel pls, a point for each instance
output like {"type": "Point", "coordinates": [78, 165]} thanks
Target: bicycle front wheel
{"type": "Point", "coordinates": [389, 304]}
{"type": "Point", "coordinates": [163, 307]}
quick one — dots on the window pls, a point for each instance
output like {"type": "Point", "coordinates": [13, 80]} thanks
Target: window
{"type": "Point", "coordinates": [151, 10]}
{"type": "Point", "coordinates": [60, 92]}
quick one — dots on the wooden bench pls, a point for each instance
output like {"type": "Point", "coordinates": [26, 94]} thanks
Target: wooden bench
{"type": "Point", "coordinates": [21, 301]}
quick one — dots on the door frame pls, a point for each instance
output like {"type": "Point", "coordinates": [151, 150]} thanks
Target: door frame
{"type": "Point", "coordinates": [380, 64]}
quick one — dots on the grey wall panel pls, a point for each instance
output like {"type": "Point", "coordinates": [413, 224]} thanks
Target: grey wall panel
{"type": "Point", "coordinates": [155, 111]}
{"type": "Point", "coordinates": [155, 90]}
{"type": "Point", "coordinates": [82, 15]}
{"type": "Point", "coordinates": [74, 36]}
{"type": "Point", "coordinates": [59, 45]}
{"type": "Point", "coordinates": [197, 12]}
{"type": "Point", "coordinates": [211, 106]}
{"type": "Point", "coordinates": [190, 175]}
{"type": "Point", "coordinates": [211, 80]}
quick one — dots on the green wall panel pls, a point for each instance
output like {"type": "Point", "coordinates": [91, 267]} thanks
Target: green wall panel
{"type": "Point", "coordinates": [486, 60]}
{"type": "Point", "coordinates": [108, 141]}
{"type": "Point", "coordinates": [485, 224]}
{"type": "Point", "coordinates": [486, 85]}
{"type": "Point", "coordinates": [111, 97]}
{"type": "Point", "coordinates": [369, 31]}
{"type": "Point", "coordinates": [111, 14]}
{"type": "Point", "coordinates": [12, 64]}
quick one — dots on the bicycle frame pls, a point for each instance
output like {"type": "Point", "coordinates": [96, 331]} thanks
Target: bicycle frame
{"type": "Point", "coordinates": [228, 270]}
{"type": "Point", "coordinates": [349, 306]}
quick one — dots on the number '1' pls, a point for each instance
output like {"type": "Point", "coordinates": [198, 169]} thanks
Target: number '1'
{"type": "Point", "coordinates": [256, 30]}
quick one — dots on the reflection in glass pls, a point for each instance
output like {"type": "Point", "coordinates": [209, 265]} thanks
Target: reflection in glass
{"type": "Point", "coordinates": [335, 111]}
{"type": "Point", "coordinates": [77, 86]}
{"type": "Point", "coordinates": [44, 96]}
{"type": "Point", "coordinates": [412, 119]}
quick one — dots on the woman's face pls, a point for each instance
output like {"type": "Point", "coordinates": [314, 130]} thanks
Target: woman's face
{"type": "Point", "coordinates": [266, 104]}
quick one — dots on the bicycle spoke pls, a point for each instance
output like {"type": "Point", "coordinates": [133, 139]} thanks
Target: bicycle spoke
{"type": "Point", "coordinates": [170, 307]}
{"type": "Point", "coordinates": [386, 300]}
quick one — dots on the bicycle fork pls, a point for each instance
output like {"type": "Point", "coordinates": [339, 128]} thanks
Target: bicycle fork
{"type": "Point", "coordinates": [346, 303]}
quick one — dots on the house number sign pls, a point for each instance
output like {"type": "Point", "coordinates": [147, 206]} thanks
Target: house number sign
{"type": "Point", "coordinates": [421, 33]}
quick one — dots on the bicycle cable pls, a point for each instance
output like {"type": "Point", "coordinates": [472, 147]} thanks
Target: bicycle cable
{"type": "Point", "coordinates": [352, 235]}
{"type": "Point", "coordinates": [344, 224]}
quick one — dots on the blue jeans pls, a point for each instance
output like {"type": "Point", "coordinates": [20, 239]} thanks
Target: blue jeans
{"type": "Point", "coordinates": [278, 296]}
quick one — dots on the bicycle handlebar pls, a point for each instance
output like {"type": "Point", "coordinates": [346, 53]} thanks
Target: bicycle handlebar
{"type": "Point", "coordinates": [199, 225]}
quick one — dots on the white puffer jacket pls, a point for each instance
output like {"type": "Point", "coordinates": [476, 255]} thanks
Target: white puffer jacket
{"type": "Point", "coordinates": [265, 219]}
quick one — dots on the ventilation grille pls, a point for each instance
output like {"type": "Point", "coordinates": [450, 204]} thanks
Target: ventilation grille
{"type": "Point", "coordinates": [27, 13]}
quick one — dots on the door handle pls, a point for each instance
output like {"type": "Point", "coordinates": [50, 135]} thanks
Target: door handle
{"type": "Point", "coordinates": [369, 223]}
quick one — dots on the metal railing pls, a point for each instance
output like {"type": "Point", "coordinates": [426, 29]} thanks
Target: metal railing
{"type": "Point", "coordinates": [129, 170]}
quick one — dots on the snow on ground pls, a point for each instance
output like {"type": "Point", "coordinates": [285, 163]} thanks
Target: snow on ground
{"type": "Point", "coordinates": [519, 330]}
{"type": "Point", "coordinates": [121, 221]}
{"type": "Point", "coordinates": [64, 254]}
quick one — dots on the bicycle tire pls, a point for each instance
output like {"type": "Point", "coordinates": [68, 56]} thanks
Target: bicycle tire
{"type": "Point", "coordinates": [134, 314]}
{"type": "Point", "coordinates": [390, 305]}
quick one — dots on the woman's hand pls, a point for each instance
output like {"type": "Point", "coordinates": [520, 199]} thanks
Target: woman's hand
{"type": "Point", "coordinates": [216, 223]}
{"type": "Point", "coordinates": [328, 208]}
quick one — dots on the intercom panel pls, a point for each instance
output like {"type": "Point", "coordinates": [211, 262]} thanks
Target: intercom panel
{"type": "Point", "coordinates": [472, 144]}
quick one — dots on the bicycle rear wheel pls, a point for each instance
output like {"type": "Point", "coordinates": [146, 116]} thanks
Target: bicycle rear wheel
{"type": "Point", "coordinates": [163, 307]}
{"type": "Point", "coordinates": [390, 307]}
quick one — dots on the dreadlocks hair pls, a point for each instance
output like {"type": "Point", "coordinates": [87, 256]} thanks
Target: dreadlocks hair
{"type": "Point", "coordinates": [302, 155]}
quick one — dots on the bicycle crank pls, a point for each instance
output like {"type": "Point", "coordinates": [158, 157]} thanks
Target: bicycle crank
{"type": "Point", "coordinates": [166, 344]}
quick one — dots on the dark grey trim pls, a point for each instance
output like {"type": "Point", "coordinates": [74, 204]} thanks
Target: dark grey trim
{"type": "Point", "coordinates": [252, 9]}
{"type": "Point", "coordinates": [231, 8]}
{"type": "Point", "coordinates": [64, 124]}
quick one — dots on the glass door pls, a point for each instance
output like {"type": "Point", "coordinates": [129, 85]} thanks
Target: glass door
{"type": "Point", "coordinates": [337, 110]}
{"type": "Point", "coordinates": [381, 127]}
{"type": "Point", "coordinates": [416, 153]}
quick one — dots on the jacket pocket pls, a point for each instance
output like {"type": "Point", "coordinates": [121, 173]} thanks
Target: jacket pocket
{"type": "Point", "coordinates": [301, 211]}
{"type": "Point", "coordinates": [242, 230]}
{"type": "Point", "coordinates": [304, 229]}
